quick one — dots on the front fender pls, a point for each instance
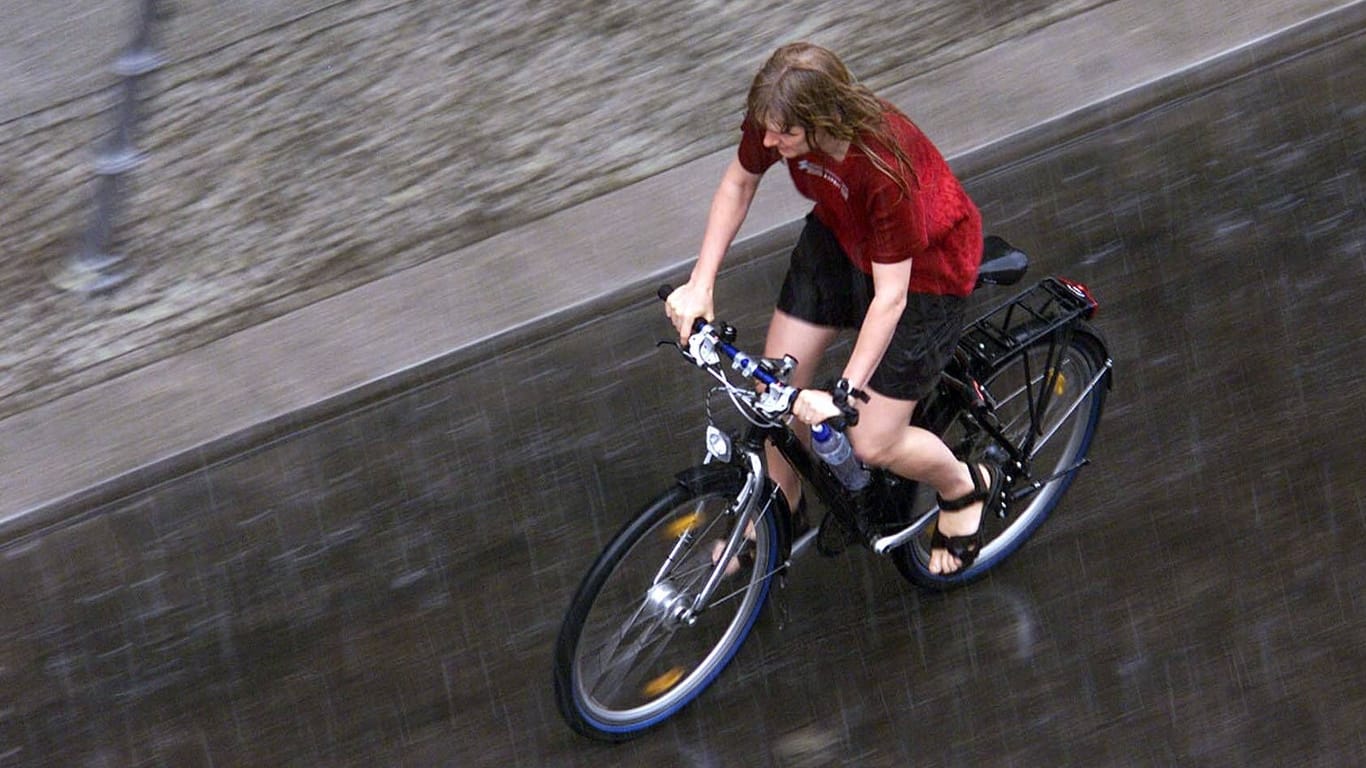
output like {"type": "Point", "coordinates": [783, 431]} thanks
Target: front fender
{"type": "Point", "coordinates": [710, 478]}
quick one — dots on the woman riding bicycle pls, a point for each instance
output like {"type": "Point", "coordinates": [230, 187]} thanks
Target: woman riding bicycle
{"type": "Point", "coordinates": [891, 248]}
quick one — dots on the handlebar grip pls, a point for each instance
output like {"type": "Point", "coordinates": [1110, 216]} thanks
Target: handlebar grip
{"type": "Point", "coordinates": [840, 392]}
{"type": "Point", "coordinates": [848, 413]}
{"type": "Point", "coordinates": [727, 333]}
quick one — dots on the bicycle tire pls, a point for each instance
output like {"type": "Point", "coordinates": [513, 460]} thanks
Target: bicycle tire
{"type": "Point", "coordinates": [1082, 361]}
{"type": "Point", "coordinates": [601, 688]}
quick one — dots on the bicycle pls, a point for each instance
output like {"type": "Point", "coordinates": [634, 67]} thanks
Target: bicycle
{"type": "Point", "coordinates": [656, 618]}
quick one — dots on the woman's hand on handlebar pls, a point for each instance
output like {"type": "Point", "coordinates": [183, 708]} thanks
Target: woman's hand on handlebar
{"type": "Point", "coordinates": [687, 303]}
{"type": "Point", "coordinates": [814, 406]}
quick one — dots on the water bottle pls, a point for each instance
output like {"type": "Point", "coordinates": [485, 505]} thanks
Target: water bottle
{"type": "Point", "coordinates": [834, 449]}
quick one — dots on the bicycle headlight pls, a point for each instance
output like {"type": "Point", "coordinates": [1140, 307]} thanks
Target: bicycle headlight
{"type": "Point", "coordinates": [718, 444]}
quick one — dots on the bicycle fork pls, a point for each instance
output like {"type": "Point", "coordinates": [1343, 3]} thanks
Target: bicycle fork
{"type": "Point", "coordinates": [747, 506]}
{"type": "Point", "coordinates": [680, 607]}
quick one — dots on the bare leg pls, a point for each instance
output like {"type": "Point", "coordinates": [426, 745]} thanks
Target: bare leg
{"type": "Point", "coordinates": [884, 438]}
{"type": "Point", "coordinates": [807, 342]}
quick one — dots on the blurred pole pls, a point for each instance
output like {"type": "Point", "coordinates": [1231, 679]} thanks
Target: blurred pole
{"type": "Point", "coordinates": [94, 268]}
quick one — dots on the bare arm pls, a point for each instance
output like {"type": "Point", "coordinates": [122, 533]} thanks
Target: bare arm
{"type": "Point", "coordinates": [890, 283]}
{"type": "Point", "coordinates": [729, 206]}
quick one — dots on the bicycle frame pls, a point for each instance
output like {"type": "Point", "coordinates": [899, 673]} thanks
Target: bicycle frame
{"type": "Point", "coordinates": [673, 596]}
{"type": "Point", "coordinates": [1050, 309]}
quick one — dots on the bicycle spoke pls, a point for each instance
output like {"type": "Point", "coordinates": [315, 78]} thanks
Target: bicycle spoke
{"type": "Point", "coordinates": [685, 569]}
{"type": "Point", "coordinates": [616, 662]}
{"type": "Point", "coordinates": [742, 590]}
{"type": "Point", "coordinates": [1046, 403]}
{"type": "Point", "coordinates": [1043, 424]}
{"type": "Point", "coordinates": [1067, 413]}
{"type": "Point", "coordinates": [640, 652]}
{"type": "Point", "coordinates": [681, 530]}
{"type": "Point", "coordinates": [614, 674]}
{"type": "Point", "coordinates": [609, 645]}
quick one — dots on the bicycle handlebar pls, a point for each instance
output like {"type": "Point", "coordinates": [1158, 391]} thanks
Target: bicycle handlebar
{"type": "Point", "coordinates": [721, 337]}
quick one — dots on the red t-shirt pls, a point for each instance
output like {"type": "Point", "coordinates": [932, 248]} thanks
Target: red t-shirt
{"type": "Point", "coordinates": [936, 225]}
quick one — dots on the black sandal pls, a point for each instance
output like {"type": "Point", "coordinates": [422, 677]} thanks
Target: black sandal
{"type": "Point", "coordinates": [966, 547]}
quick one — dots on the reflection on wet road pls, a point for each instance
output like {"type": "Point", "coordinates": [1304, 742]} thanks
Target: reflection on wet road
{"type": "Point", "coordinates": [384, 587]}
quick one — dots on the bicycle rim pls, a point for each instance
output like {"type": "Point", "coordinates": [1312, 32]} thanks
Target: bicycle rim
{"type": "Point", "coordinates": [1073, 404]}
{"type": "Point", "coordinates": [632, 663]}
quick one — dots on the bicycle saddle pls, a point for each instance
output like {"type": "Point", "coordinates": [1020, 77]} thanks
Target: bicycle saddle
{"type": "Point", "coordinates": [1002, 263]}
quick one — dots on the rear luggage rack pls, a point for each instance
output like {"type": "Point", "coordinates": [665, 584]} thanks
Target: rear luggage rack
{"type": "Point", "coordinates": [1006, 330]}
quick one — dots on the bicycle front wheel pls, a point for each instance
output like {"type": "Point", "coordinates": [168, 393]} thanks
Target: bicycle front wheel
{"type": "Point", "coordinates": [626, 659]}
{"type": "Point", "coordinates": [1063, 381]}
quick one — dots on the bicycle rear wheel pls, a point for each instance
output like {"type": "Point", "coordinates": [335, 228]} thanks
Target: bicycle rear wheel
{"type": "Point", "coordinates": [624, 660]}
{"type": "Point", "coordinates": [1067, 379]}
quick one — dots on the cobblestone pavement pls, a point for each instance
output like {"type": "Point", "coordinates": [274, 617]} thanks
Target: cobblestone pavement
{"type": "Point", "coordinates": [372, 135]}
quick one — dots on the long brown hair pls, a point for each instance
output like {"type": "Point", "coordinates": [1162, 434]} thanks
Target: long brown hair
{"type": "Point", "coordinates": [805, 85]}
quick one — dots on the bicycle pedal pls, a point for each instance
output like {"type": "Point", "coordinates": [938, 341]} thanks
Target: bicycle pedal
{"type": "Point", "coordinates": [1004, 498]}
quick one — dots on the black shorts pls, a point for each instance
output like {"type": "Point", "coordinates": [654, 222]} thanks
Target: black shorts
{"type": "Point", "coordinates": [823, 287]}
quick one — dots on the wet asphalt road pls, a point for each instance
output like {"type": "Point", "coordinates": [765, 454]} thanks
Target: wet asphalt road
{"type": "Point", "coordinates": [1196, 600]}
{"type": "Point", "coordinates": [384, 587]}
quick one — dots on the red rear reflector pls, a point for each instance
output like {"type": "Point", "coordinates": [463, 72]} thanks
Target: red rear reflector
{"type": "Point", "coordinates": [1082, 293]}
